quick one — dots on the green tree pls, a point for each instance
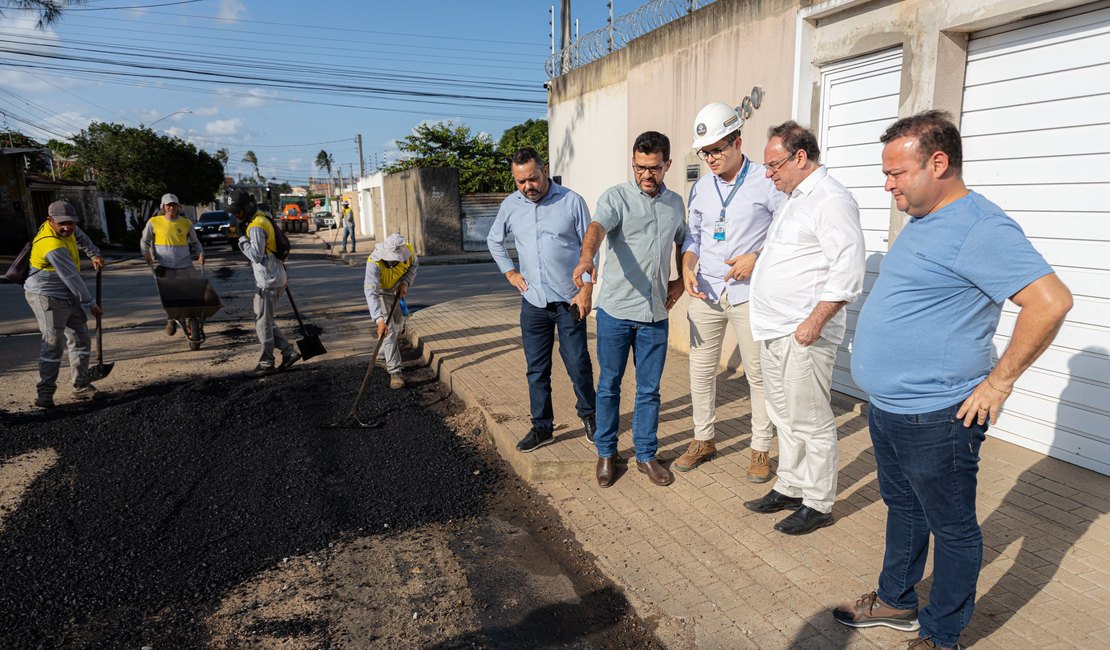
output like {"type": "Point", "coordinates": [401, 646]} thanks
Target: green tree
{"type": "Point", "coordinates": [64, 155]}
{"type": "Point", "coordinates": [140, 165]}
{"type": "Point", "coordinates": [446, 144]}
{"type": "Point", "coordinates": [48, 10]}
{"type": "Point", "coordinates": [252, 160]}
{"type": "Point", "coordinates": [223, 156]}
{"type": "Point", "coordinates": [532, 133]}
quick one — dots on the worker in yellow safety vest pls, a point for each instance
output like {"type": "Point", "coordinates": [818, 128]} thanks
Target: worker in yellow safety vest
{"type": "Point", "coordinates": [60, 300]}
{"type": "Point", "coordinates": [170, 242]}
{"type": "Point", "coordinates": [390, 271]}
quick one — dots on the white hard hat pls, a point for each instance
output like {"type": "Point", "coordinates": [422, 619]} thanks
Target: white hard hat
{"type": "Point", "coordinates": [714, 122]}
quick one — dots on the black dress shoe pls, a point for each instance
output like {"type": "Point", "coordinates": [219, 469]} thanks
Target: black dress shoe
{"type": "Point", "coordinates": [534, 439]}
{"type": "Point", "coordinates": [804, 520]}
{"type": "Point", "coordinates": [590, 425]}
{"type": "Point", "coordinates": [605, 471]}
{"type": "Point", "coordinates": [774, 502]}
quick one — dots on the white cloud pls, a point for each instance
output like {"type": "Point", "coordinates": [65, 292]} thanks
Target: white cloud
{"type": "Point", "coordinates": [295, 164]}
{"type": "Point", "coordinates": [247, 97]}
{"type": "Point", "coordinates": [206, 111]}
{"type": "Point", "coordinates": [175, 131]}
{"type": "Point", "coordinates": [223, 127]}
{"type": "Point", "coordinates": [231, 9]}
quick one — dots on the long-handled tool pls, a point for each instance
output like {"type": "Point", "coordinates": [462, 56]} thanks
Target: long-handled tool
{"type": "Point", "coordinates": [310, 345]}
{"type": "Point", "coordinates": [370, 366]}
{"type": "Point", "coordinates": [101, 369]}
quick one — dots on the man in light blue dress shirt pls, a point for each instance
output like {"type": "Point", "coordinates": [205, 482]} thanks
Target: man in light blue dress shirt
{"type": "Point", "coordinates": [643, 225]}
{"type": "Point", "coordinates": [548, 223]}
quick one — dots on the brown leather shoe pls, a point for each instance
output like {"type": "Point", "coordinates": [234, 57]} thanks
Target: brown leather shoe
{"type": "Point", "coordinates": [697, 453]}
{"type": "Point", "coordinates": [870, 611]}
{"type": "Point", "coordinates": [605, 471]}
{"type": "Point", "coordinates": [759, 470]}
{"type": "Point", "coordinates": [656, 473]}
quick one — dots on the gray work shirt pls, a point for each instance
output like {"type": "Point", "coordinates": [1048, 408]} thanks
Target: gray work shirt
{"type": "Point", "coordinates": [639, 232]}
{"type": "Point", "coordinates": [548, 236]}
{"type": "Point", "coordinates": [64, 282]}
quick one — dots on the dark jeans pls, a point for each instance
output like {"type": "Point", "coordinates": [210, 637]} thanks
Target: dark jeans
{"type": "Point", "coordinates": [927, 466]}
{"type": "Point", "coordinates": [648, 344]}
{"type": "Point", "coordinates": [537, 331]}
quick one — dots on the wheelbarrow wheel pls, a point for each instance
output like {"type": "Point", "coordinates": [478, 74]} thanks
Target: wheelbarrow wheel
{"type": "Point", "coordinates": [195, 335]}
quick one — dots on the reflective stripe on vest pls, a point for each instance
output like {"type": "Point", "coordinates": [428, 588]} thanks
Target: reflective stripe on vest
{"type": "Point", "coordinates": [46, 240]}
{"type": "Point", "coordinates": [391, 276]}
{"type": "Point", "coordinates": [170, 233]}
{"type": "Point", "coordinates": [260, 221]}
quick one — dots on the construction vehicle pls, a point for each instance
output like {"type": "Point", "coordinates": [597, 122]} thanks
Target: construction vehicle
{"type": "Point", "coordinates": [294, 216]}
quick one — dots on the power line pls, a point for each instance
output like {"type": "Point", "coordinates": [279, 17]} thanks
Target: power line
{"type": "Point", "coordinates": [164, 4]}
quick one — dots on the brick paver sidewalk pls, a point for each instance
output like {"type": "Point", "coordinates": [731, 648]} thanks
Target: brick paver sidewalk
{"type": "Point", "coordinates": [711, 574]}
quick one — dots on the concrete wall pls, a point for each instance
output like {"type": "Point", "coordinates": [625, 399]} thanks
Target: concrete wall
{"type": "Point", "coordinates": [371, 209]}
{"type": "Point", "coordinates": [423, 205]}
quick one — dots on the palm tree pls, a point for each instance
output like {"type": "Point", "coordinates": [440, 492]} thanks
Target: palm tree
{"type": "Point", "coordinates": [324, 161]}
{"type": "Point", "coordinates": [252, 160]}
{"type": "Point", "coordinates": [222, 156]}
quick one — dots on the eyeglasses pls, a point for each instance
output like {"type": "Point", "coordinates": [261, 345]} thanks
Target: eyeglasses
{"type": "Point", "coordinates": [774, 166]}
{"type": "Point", "coordinates": [654, 171]}
{"type": "Point", "coordinates": [706, 154]}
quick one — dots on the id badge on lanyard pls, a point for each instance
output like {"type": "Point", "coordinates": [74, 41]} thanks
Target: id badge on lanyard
{"type": "Point", "coordinates": [719, 225]}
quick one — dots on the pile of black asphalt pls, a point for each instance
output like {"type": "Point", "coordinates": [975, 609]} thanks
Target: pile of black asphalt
{"type": "Point", "coordinates": [162, 499]}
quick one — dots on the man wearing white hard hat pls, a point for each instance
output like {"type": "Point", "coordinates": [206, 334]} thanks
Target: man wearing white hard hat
{"type": "Point", "coordinates": [390, 271]}
{"type": "Point", "coordinates": [730, 211]}
{"type": "Point", "coordinates": [170, 242]}
{"type": "Point", "coordinates": [61, 301]}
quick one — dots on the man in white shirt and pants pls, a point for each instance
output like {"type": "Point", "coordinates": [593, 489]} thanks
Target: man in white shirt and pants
{"type": "Point", "coordinates": [812, 265]}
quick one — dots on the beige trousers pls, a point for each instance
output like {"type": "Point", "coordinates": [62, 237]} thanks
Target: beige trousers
{"type": "Point", "coordinates": [708, 324]}
{"type": "Point", "coordinates": [798, 380]}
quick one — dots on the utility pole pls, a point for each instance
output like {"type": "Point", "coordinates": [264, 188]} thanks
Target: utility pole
{"type": "Point", "coordinates": [361, 160]}
{"type": "Point", "coordinates": [610, 26]}
{"type": "Point", "coordinates": [551, 24]}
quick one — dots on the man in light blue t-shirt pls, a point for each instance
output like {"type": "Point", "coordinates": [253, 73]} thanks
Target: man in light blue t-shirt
{"type": "Point", "coordinates": [922, 352]}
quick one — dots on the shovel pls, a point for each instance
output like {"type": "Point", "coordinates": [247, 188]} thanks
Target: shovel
{"type": "Point", "coordinates": [370, 369]}
{"type": "Point", "coordinates": [310, 345]}
{"type": "Point", "coordinates": [101, 369]}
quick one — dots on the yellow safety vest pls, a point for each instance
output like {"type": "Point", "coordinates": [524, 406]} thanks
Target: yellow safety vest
{"type": "Point", "coordinates": [170, 233]}
{"type": "Point", "coordinates": [45, 241]}
{"type": "Point", "coordinates": [260, 221]}
{"type": "Point", "coordinates": [390, 276]}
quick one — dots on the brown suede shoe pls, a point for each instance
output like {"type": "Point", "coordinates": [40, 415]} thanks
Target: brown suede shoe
{"type": "Point", "coordinates": [605, 471]}
{"type": "Point", "coordinates": [869, 611]}
{"type": "Point", "coordinates": [656, 473]}
{"type": "Point", "coordinates": [759, 470]}
{"type": "Point", "coordinates": [922, 644]}
{"type": "Point", "coordinates": [697, 453]}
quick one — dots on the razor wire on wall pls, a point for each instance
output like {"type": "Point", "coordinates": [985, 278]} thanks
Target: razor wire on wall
{"type": "Point", "coordinates": [600, 42]}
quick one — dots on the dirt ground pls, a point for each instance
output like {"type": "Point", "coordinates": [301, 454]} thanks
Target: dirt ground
{"type": "Point", "coordinates": [229, 512]}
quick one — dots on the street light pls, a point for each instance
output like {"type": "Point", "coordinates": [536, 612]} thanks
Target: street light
{"type": "Point", "coordinates": [184, 110]}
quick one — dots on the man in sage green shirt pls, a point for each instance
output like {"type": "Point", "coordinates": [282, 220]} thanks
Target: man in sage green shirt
{"type": "Point", "coordinates": [639, 222]}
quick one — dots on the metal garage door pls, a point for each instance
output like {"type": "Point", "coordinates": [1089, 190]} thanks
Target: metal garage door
{"type": "Point", "coordinates": [859, 99]}
{"type": "Point", "coordinates": [1036, 127]}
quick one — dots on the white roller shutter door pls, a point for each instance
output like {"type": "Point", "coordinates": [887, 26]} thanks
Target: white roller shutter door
{"type": "Point", "coordinates": [859, 100]}
{"type": "Point", "coordinates": [1036, 128]}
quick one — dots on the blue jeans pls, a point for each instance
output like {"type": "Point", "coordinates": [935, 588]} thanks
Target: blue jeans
{"type": "Point", "coordinates": [648, 343]}
{"type": "Point", "coordinates": [349, 231]}
{"type": "Point", "coordinates": [537, 331]}
{"type": "Point", "coordinates": [927, 466]}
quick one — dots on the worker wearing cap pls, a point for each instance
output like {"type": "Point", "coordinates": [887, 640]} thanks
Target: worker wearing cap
{"type": "Point", "coordinates": [61, 301]}
{"type": "Point", "coordinates": [259, 243]}
{"type": "Point", "coordinates": [729, 213]}
{"type": "Point", "coordinates": [348, 220]}
{"type": "Point", "coordinates": [169, 241]}
{"type": "Point", "coordinates": [390, 271]}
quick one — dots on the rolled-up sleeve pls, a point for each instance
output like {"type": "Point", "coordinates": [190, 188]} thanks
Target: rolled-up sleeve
{"type": "Point", "coordinates": [841, 240]}
{"type": "Point", "coordinates": [692, 242]}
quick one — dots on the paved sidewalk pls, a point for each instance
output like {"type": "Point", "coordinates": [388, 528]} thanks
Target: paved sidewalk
{"type": "Point", "coordinates": [710, 574]}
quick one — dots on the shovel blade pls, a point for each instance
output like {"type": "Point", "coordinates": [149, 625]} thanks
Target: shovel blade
{"type": "Point", "coordinates": [96, 373]}
{"type": "Point", "coordinates": [310, 346]}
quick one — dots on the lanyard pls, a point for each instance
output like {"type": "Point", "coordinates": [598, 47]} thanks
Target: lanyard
{"type": "Point", "coordinates": [739, 181]}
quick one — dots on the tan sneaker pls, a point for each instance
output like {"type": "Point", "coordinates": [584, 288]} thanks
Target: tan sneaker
{"type": "Point", "coordinates": [396, 380]}
{"type": "Point", "coordinates": [759, 470]}
{"type": "Point", "coordinates": [697, 453]}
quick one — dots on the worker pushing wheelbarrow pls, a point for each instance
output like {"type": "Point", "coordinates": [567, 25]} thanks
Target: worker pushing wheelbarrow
{"type": "Point", "coordinates": [169, 245]}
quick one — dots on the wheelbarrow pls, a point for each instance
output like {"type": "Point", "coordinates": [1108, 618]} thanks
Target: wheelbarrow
{"type": "Point", "coordinates": [189, 299]}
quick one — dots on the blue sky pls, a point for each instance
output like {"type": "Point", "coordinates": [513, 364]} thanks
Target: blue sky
{"type": "Point", "coordinates": [283, 78]}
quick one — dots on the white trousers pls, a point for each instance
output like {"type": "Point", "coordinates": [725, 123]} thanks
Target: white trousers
{"type": "Point", "coordinates": [798, 380]}
{"type": "Point", "coordinates": [708, 324]}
